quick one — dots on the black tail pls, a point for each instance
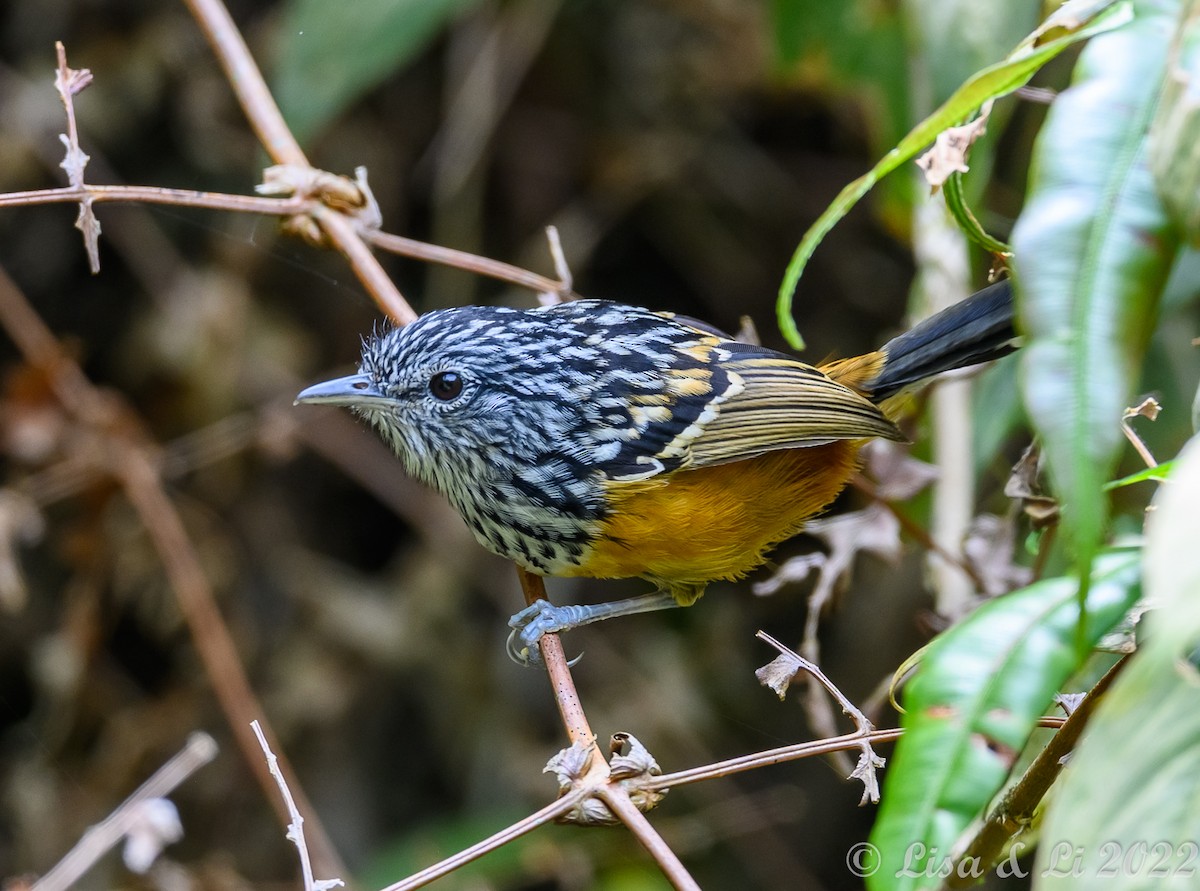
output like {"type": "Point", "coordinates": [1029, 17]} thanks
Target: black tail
{"type": "Point", "coordinates": [977, 329]}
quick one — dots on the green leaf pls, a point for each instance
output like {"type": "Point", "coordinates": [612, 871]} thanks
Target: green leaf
{"type": "Point", "coordinates": [1093, 249]}
{"type": "Point", "coordinates": [990, 83]}
{"type": "Point", "coordinates": [973, 703]}
{"type": "Point", "coordinates": [995, 414]}
{"type": "Point", "coordinates": [1158, 473]}
{"type": "Point", "coordinates": [1126, 813]}
{"type": "Point", "coordinates": [332, 53]}
{"type": "Point", "coordinates": [956, 203]}
{"type": "Point", "coordinates": [1173, 560]}
{"type": "Point", "coordinates": [1175, 131]}
{"type": "Point", "coordinates": [949, 40]}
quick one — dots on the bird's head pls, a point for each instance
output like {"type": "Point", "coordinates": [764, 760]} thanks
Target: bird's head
{"type": "Point", "coordinates": [455, 391]}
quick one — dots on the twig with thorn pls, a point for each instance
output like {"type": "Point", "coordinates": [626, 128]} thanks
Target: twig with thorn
{"type": "Point", "coordinates": [780, 673]}
{"type": "Point", "coordinates": [295, 830]}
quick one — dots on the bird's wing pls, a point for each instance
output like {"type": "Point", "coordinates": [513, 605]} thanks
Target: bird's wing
{"type": "Point", "coordinates": [783, 403]}
{"type": "Point", "coordinates": [713, 401]}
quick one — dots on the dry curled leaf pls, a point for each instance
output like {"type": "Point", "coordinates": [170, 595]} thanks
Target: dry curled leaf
{"type": "Point", "coordinates": [632, 766]}
{"type": "Point", "coordinates": [779, 673]}
{"type": "Point", "coordinates": [867, 771]}
{"type": "Point", "coordinates": [568, 765]}
{"type": "Point", "coordinates": [1147, 408]}
{"type": "Point", "coordinates": [949, 153]}
{"type": "Point", "coordinates": [1023, 485]}
{"type": "Point", "coordinates": [1068, 702]}
{"type": "Point", "coordinates": [989, 548]}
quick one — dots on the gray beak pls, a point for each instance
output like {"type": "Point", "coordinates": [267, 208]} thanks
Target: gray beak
{"type": "Point", "coordinates": [353, 390]}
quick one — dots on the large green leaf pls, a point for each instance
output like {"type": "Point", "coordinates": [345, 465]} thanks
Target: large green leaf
{"type": "Point", "coordinates": [332, 53]}
{"type": "Point", "coordinates": [975, 699]}
{"type": "Point", "coordinates": [1175, 132]}
{"type": "Point", "coordinates": [1126, 813]}
{"type": "Point", "coordinates": [1093, 249]}
{"type": "Point", "coordinates": [952, 39]}
{"type": "Point", "coordinates": [1074, 22]}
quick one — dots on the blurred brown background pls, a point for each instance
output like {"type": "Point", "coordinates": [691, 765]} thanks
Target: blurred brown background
{"type": "Point", "coordinates": [681, 148]}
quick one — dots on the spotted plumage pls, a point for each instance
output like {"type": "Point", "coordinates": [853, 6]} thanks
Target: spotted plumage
{"type": "Point", "coordinates": [593, 438]}
{"type": "Point", "coordinates": [560, 405]}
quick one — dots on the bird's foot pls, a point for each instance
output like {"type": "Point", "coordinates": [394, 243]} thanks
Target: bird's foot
{"type": "Point", "coordinates": [539, 618]}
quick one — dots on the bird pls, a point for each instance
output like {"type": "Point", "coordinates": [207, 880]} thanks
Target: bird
{"type": "Point", "coordinates": [593, 438]}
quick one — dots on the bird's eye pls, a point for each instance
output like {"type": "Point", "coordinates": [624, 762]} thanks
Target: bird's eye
{"type": "Point", "coordinates": [446, 385]}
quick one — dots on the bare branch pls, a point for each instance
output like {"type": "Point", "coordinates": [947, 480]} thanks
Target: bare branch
{"type": "Point", "coordinates": [1147, 408]}
{"type": "Point", "coordinates": [266, 119]}
{"type": "Point", "coordinates": [620, 804]}
{"type": "Point", "coordinates": [444, 256]}
{"type": "Point", "coordinates": [295, 831]}
{"type": "Point", "coordinates": [247, 82]}
{"type": "Point", "coordinates": [561, 269]}
{"type": "Point", "coordinates": [579, 731]}
{"type": "Point", "coordinates": [548, 814]}
{"type": "Point", "coordinates": [792, 664]}
{"type": "Point", "coordinates": [156, 195]}
{"type": "Point", "coordinates": [98, 840]}
{"type": "Point", "coordinates": [133, 462]}
{"type": "Point", "coordinates": [68, 82]}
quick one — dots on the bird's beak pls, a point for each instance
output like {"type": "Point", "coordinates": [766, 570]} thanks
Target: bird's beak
{"type": "Point", "coordinates": [353, 390]}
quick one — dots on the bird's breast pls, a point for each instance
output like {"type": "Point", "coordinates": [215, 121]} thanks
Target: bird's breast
{"type": "Point", "coordinates": [687, 528]}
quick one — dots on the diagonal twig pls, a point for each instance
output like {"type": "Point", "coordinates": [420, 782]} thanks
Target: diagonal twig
{"type": "Point", "coordinates": [132, 460]}
{"type": "Point", "coordinates": [548, 814]}
{"type": "Point", "coordinates": [199, 750]}
{"type": "Point", "coordinates": [295, 830]}
{"type": "Point", "coordinates": [272, 130]}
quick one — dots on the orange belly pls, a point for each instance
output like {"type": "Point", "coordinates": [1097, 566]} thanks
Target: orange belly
{"type": "Point", "coordinates": [696, 526]}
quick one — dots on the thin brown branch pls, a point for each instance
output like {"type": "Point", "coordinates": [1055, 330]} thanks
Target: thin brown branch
{"type": "Point", "coordinates": [619, 803]}
{"type": "Point", "coordinates": [247, 82]}
{"type": "Point", "coordinates": [793, 752]}
{"type": "Point", "coordinates": [284, 207]}
{"type": "Point", "coordinates": [917, 532]}
{"type": "Point", "coordinates": [1015, 811]}
{"type": "Point", "coordinates": [272, 130]}
{"type": "Point", "coordinates": [790, 664]}
{"type": "Point", "coordinates": [1147, 408]}
{"type": "Point", "coordinates": [548, 814]}
{"type": "Point", "coordinates": [139, 477]}
{"type": "Point", "coordinates": [132, 460]}
{"type": "Point", "coordinates": [779, 755]}
{"type": "Point", "coordinates": [561, 268]}
{"type": "Point", "coordinates": [579, 731]}
{"type": "Point", "coordinates": [444, 256]}
{"type": "Point", "coordinates": [346, 238]}
{"type": "Point", "coordinates": [294, 206]}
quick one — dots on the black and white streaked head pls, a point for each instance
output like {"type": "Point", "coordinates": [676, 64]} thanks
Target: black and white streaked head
{"type": "Point", "coordinates": [520, 416]}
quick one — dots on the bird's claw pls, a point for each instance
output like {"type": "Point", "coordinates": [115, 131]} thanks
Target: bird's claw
{"type": "Point", "coordinates": [539, 618]}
